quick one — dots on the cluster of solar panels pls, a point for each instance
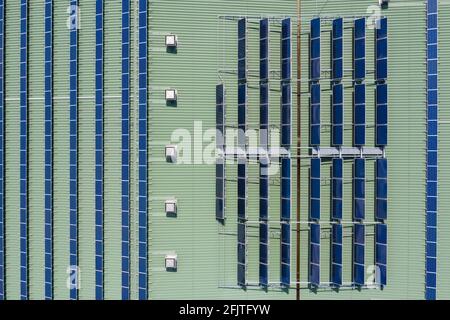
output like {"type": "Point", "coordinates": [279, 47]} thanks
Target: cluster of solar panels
{"type": "Point", "coordinates": [125, 149]}
{"type": "Point", "coordinates": [242, 174]}
{"type": "Point", "coordinates": [2, 150]}
{"type": "Point", "coordinates": [143, 152]}
{"type": "Point", "coordinates": [23, 149]}
{"type": "Point", "coordinates": [99, 246]}
{"type": "Point", "coordinates": [242, 158]}
{"type": "Point", "coordinates": [359, 140]}
{"type": "Point", "coordinates": [264, 160]}
{"type": "Point", "coordinates": [48, 191]}
{"type": "Point", "coordinates": [432, 144]}
{"type": "Point", "coordinates": [73, 189]}
{"type": "Point", "coordinates": [359, 168]}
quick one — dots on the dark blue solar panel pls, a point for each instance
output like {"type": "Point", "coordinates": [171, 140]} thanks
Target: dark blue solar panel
{"type": "Point", "coordinates": [242, 144]}
{"type": "Point", "coordinates": [381, 115]}
{"type": "Point", "coordinates": [220, 116]}
{"type": "Point", "coordinates": [264, 254]}
{"type": "Point", "coordinates": [358, 254]}
{"type": "Point", "coordinates": [336, 254]}
{"type": "Point", "coordinates": [242, 253]}
{"type": "Point", "coordinates": [264, 49]}
{"type": "Point", "coordinates": [381, 253]}
{"type": "Point", "coordinates": [338, 115]}
{"type": "Point", "coordinates": [315, 114]}
{"type": "Point", "coordinates": [315, 49]}
{"type": "Point", "coordinates": [286, 115]}
{"type": "Point", "coordinates": [338, 48]}
{"type": "Point", "coordinates": [432, 158]}
{"type": "Point", "coordinates": [314, 210]}
{"type": "Point", "coordinates": [23, 150]}
{"type": "Point", "coordinates": [2, 150]}
{"type": "Point", "coordinates": [359, 49]}
{"type": "Point", "coordinates": [143, 165]}
{"type": "Point", "coordinates": [381, 189]}
{"type": "Point", "coordinates": [48, 187]}
{"type": "Point", "coordinates": [314, 254]}
{"type": "Point", "coordinates": [242, 49]}
{"type": "Point", "coordinates": [242, 114]}
{"type": "Point", "coordinates": [285, 277]}
{"type": "Point", "coordinates": [220, 145]}
{"type": "Point", "coordinates": [125, 150]}
{"type": "Point", "coordinates": [286, 50]}
{"type": "Point", "coordinates": [359, 189]}
{"type": "Point", "coordinates": [359, 114]}
{"type": "Point", "coordinates": [381, 48]}
{"type": "Point", "coordinates": [99, 151]}
{"type": "Point", "coordinates": [285, 189]}
{"type": "Point", "coordinates": [264, 115]}
{"type": "Point", "coordinates": [337, 187]}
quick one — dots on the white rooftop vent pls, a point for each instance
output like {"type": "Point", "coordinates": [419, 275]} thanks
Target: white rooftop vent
{"type": "Point", "coordinates": [171, 40]}
{"type": "Point", "coordinates": [171, 153]}
{"type": "Point", "coordinates": [171, 261]}
{"type": "Point", "coordinates": [171, 95]}
{"type": "Point", "coordinates": [171, 207]}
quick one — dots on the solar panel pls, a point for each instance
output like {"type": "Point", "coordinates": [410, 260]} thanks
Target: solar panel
{"type": "Point", "coordinates": [381, 254]}
{"type": "Point", "coordinates": [23, 150]}
{"type": "Point", "coordinates": [381, 189]}
{"type": "Point", "coordinates": [242, 159]}
{"type": "Point", "coordinates": [264, 254]}
{"type": "Point", "coordinates": [264, 49]}
{"type": "Point", "coordinates": [359, 189]}
{"type": "Point", "coordinates": [285, 220]}
{"type": "Point", "coordinates": [337, 187]}
{"type": "Point", "coordinates": [315, 49]}
{"type": "Point", "coordinates": [99, 150]}
{"type": "Point", "coordinates": [286, 132]}
{"type": "Point", "coordinates": [315, 114]}
{"type": "Point", "coordinates": [125, 149]}
{"type": "Point", "coordinates": [263, 159]}
{"type": "Point", "coordinates": [264, 115]}
{"type": "Point", "coordinates": [432, 149]}
{"type": "Point", "coordinates": [143, 152]}
{"type": "Point", "coordinates": [314, 204]}
{"type": "Point", "coordinates": [338, 115]}
{"type": "Point", "coordinates": [359, 271]}
{"type": "Point", "coordinates": [314, 254]}
{"type": "Point", "coordinates": [359, 114]}
{"type": "Point", "coordinates": [242, 254]}
{"type": "Point", "coordinates": [48, 161]}
{"type": "Point", "coordinates": [286, 50]}
{"type": "Point", "coordinates": [336, 254]}
{"type": "Point", "coordinates": [242, 49]}
{"type": "Point", "coordinates": [381, 114]}
{"type": "Point", "coordinates": [359, 49]}
{"type": "Point", "coordinates": [2, 150]}
{"type": "Point", "coordinates": [285, 277]}
{"type": "Point", "coordinates": [381, 49]}
{"type": "Point", "coordinates": [220, 146]}
{"type": "Point", "coordinates": [338, 49]}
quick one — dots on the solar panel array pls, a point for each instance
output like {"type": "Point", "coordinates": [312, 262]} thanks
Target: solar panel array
{"type": "Point", "coordinates": [2, 150]}
{"type": "Point", "coordinates": [264, 159]}
{"type": "Point", "coordinates": [357, 154]}
{"type": "Point", "coordinates": [99, 157]}
{"type": "Point", "coordinates": [286, 133]}
{"type": "Point", "coordinates": [73, 136]}
{"type": "Point", "coordinates": [23, 150]}
{"type": "Point", "coordinates": [242, 158]}
{"type": "Point", "coordinates": [125, 149]}
{"type": "Point", "coordinates": [48, 187]}
{"type": "Point", "coordinates": [432, 150]}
